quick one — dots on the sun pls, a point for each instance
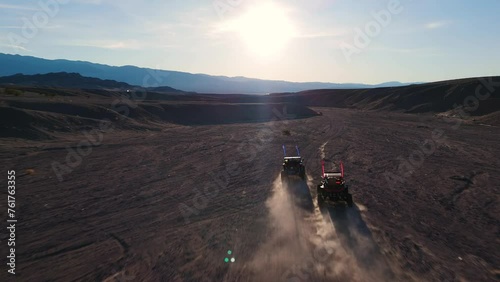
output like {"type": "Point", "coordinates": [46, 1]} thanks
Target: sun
{"type": "Point", "coordinates": [265, 29]}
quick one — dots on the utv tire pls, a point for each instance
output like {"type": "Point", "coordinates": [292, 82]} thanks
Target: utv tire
{"type": "Point", "coordinates": [321, 202]}
{"type": "Point", "coordinates": [350, 203]}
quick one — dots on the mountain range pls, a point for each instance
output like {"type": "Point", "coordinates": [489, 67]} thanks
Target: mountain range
{"type": "Point", "coordinates": [74, 81]}
{"type": "Point", "coordinates": [146, 77]}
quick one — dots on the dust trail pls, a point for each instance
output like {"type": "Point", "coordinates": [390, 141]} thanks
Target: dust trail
{"type": "Point", "coordinates": [301, 245]}
{"type": "Point", "coordinates": [306, 243]}
{"type": "Point", "coordinates": [344, 227]}
{"type": "Point", "coordinates": [331, 260]}
{"type": "Point", "coordinates": [283, 246]}
{"type": "Point", "coordinates": [322, 150]}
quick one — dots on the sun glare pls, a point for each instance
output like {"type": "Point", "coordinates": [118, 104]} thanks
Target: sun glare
{"type": "Point", "coordinates": [265, 29]}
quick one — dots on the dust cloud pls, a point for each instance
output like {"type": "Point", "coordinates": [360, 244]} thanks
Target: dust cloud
{"type": "Point", "coordinates": [302, 243]}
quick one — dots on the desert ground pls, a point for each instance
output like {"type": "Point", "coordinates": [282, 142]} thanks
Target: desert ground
{"type": "Point", "coordinates": [164, 193]}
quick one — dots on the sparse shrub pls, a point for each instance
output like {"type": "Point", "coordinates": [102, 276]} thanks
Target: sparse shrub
{"type": "Point", "coordinates": [286, 132]}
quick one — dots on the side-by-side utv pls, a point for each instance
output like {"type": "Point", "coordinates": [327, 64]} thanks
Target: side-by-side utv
{"type": "Point", "coordinates": [333, 187]}
{"type": "Point", "coordinates": [293, 166]}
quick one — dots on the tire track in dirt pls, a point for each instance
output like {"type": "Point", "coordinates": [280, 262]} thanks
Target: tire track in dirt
{"type": "Point", "coordinates": [285, 246]}
{"type": "Point", "coordinates": [346, 228]}
{"type": "Point", "coordinates": [307, 244]}
{"type": "Point", "coordinates": [300, 246]}
{"type": "Point", "coordinates": [322, 150]}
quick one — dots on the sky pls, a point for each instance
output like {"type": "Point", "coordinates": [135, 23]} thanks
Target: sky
{"type": "Point", "coordinates": [364, 41]}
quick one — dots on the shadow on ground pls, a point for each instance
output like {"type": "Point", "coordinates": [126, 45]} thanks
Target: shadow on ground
{"type": "Point", "coordinates": [357, 239]}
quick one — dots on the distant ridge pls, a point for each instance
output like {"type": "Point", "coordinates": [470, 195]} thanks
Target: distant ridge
{"type": "Point", "coordinates": [201, 83]}
{"type": "Point", "coordinates": [74, 81]}
{"type": "Point", "coordinates": [63, 80]}
{"type": "Point", "coordinates": [446, 98]}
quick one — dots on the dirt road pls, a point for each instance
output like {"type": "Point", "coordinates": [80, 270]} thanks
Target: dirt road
{"type": "Point", "coordinates": [168, 205]}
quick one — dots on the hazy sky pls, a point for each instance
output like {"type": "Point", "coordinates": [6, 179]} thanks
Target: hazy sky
{"type": "Point", "coordinates": [368, 41]}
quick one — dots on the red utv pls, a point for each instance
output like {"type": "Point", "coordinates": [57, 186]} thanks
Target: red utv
{"type": "Point", "coordinates": [333, 187]}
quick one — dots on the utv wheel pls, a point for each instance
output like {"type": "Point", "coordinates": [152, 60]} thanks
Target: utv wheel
{"type": "Point", "coordinates": [321, 201]}
{"type": "Point", "coordinates": [350, 203]}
